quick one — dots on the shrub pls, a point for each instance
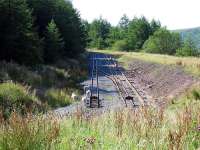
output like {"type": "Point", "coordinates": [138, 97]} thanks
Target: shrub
{"type": "Point", "coordinates": [120, 45]}
{"type": "Point", "coordinates": [196, 94]}
{"type": "Point", "coordinates": [15, 96]}
{"type": "Point", "coordinates": [52, 76]}
{"type": "Point", "coordinates": [163, 42]}
{"type": "Point", "coordinates": [57, 98]}
{"type": "Point", "coordinates": [12, 71]}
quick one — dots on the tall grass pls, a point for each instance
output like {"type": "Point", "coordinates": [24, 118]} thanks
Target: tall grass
{"type": "Point", "coordinates": [57, 98]}
{"type": "Point", "coordinates": [30, 133]}
{"type": "Point", "coordinates": [175, 128]}
{"type": "Point", "coordinates": [15, 96]}
{"type": "Point", "coordinates": [143, 128]}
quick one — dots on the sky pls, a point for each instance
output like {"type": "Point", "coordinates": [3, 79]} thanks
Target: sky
{"type": "Point", "coordinates": [174, 14]}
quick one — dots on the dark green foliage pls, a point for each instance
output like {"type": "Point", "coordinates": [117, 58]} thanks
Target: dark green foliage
{"type": "Point", "coordinates": [69, 23]}
{"type": "Point", "coordinates": [67, 20]}
{"type": "Point", "coordinates": [133, 33]}
{"type": "Point", "coordinates": [155, 25]}
{"type": "Point", "coordinates": [23, 23]}
{"type": "Point", "coordinates": [98, 33]}
{"type": "Point", "coordinates": [120, 45]}
{"type": "Point", "coordinates": [188, 49]}
{"type": "Point", "coordinates": [124, 22]}
{"type": "Point", "coordinates": [163, 42]}
{"type": "Point", "coordinates": [196, 94]}
{"type": "Point", "coordinates": [115, 35]}
{"type": "Point", "coordinates": [19, 41]}
{"type": "Point", "coordinates": [138, 32]}
{"type": "Point", "coordinates": [123, 26]}
{"type": "Point", "coordinates": [43, 12]}
{"type": "Point", "coordinates": [54, 44]}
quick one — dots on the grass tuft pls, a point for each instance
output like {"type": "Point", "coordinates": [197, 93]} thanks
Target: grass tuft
{"type": "Point", "coordinates": [57, 98]}
{"type": "Point", "coordinates": [196, 94]}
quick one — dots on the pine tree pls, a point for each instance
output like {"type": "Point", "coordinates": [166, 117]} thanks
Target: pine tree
{"type": "Point", "coordinates": [54, 44]}
{"type": "Point", "coordinates": [67, 20]}
{"type": "Point", "coordinates": [19, 41]}
{"type": "Point", "coordinates": [124, 22]}
{"type": "Point", "coordinates": [138, 32]}
{"type": "Point", "coordinates": [155, 25]}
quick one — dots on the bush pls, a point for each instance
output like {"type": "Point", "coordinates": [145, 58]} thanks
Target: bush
{"type": "Point", "coordinates": [196, 94]}
{"type": "Point", "coordinates": [120, 45]}
{"type": "Point", "coordinates": [12, 71]}
{"type": "Point", "coordinates": [52, 76]}
{"type": "Point", "coordinates": [15, 96]}
{"type": "Point", "coordinates": [57, 98]}
{"type": "Point", "coordinates": [163, 42]}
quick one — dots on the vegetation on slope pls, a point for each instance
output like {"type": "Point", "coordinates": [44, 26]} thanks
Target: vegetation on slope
{"type": "Point", "coordinates": [144, 128]}
{"type": "Point", "coordinates": [37, 89]}
{"type": "Point", "coordinates": [42, 45]}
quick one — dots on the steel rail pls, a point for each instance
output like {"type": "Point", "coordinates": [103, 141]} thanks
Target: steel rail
{"type": "Point", "coordinates": [120, 80]}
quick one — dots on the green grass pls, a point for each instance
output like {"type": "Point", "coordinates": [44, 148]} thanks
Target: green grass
{"type": "Point", "coordinates": [57, 98]}
{"type": "Point", "coordinates": [18, 97]}
{"type": "Point", "coordinates": [30, 133]}
{"type": "Point", "coordinates": [51, 85]}
{"type": "Point", "coordinates": [146, 128]}
{"type": "Point", "coordinates": [190, 64]}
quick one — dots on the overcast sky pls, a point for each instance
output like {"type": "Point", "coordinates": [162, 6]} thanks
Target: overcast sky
{"type": "Point", "coordinates": [175, 14]}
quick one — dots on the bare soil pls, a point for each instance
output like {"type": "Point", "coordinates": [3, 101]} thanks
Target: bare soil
{"type": "Point", "coordinates": [161, 82]}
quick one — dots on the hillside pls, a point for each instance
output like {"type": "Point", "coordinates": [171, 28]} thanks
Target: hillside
{"type": "Point", "coordinates": [193, 33]}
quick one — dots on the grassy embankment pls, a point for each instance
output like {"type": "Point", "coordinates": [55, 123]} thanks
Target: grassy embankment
{"type": "Point", "coordinates": [143, 129]}
{"type": "Point", "coordinates": [39, 88]}
{"type": "Point", "coordinates": [190, 64]}
{"type": "Point", "coordinates": [148, 128]}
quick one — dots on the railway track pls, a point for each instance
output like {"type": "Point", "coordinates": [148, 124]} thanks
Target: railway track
{"type": "Point", "coordinates": [105, 65]}
{"type": "Point", "coordinates": [124, 83]}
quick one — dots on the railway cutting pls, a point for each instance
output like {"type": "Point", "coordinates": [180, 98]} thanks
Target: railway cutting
{"type": "Point", "coordinates": [106, 65]}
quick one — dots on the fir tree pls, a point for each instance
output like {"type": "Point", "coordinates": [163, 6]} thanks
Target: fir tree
{"type": "Point", "coordinates": [19, 40]}
{"type": "Point", "coordinates": [53, 43]}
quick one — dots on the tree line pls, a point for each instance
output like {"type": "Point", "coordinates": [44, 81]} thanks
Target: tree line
{"type": "Point", "coordinates": [137, 34]}
{"type": "Point", "coordinates": [43, 31]}
{"type": "Point", "coordinates": [40, 31]}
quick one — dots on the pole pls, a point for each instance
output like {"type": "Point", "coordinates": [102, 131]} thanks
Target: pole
{"type": "Point", "coordinates": [93, 60]}
{"type": "Point", "coordinates": [97, 76]}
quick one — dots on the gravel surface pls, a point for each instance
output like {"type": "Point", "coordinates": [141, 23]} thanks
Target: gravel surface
{"type": "Point", "coordinates": [108, 95]}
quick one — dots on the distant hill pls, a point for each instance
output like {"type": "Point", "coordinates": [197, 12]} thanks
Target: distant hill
{"type": "Point", "coordinates": [193, 33]}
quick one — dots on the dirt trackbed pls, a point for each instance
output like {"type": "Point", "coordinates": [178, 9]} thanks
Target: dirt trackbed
{"type": "Point", "coordinates": [162, 82]}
